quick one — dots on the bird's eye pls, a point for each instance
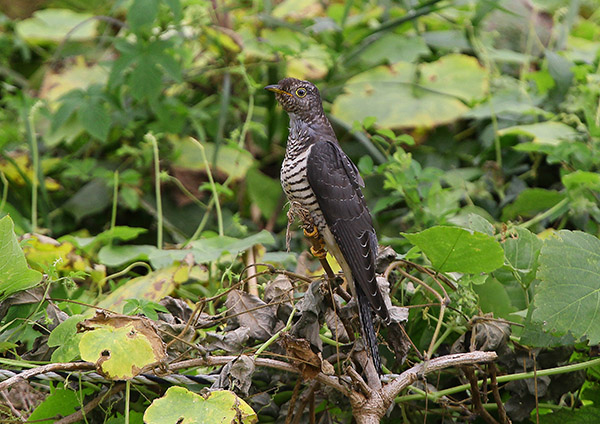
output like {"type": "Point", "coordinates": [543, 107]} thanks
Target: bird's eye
{"type": "Point", "coordinates": [301, 92]}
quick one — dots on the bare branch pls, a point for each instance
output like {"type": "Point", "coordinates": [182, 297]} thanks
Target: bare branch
{"type": "Point", "coordinates": [25, 375]}
{"type": "Point", "coordinates": [393, 389]}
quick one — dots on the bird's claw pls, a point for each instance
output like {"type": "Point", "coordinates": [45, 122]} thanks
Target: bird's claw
{"type": "Point", "coordinates": [313, 233]}
{"type": "Point", "coordinates": [319, 253]}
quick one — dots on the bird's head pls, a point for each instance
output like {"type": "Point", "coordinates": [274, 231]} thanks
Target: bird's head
{"type": "Point", "coordinates": [299, 97]}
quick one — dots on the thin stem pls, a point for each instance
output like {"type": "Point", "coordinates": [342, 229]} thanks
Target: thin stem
{"type": "Point", "coordinates": [275, 336]}
{"type": "Point", "coordinates": [4, 190]}
{"type": "Point", "coordinates": [436, 332]}
{"type": "Point", "coordinates": [545, 214]}
{"type": "Point", "coordinates": [440, 340]}
{"type": "Point", "coordinates": [159, 214]}
{"type": "Point", "coordinates": [35, 158]}
{"type": "Point", "coordinates": [213, 186]}
{"type": "Point", "coordinates": [124, 271]}
{"type": "Point", "coordinates": [127, 399]}
{"type": "Point", "coordinates": [113, 217]}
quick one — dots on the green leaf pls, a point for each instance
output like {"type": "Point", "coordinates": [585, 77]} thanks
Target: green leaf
{"type": "Point", "coordinates": [60, 402]}
{"type": "Point", "coordinates": [263, 191]}
{"type": "Point", "coordinates": [402, 95]}
{"type": "Point", "coordinates": [66, 110]}
{"type": "Point", "coordinates": [456, 75]}
{"type": "Point", "coordinates": [142, 13]}
{"type": "Point", "coordinates": [585, 415]}
{"type": "Point", "coordinates": [146, 79]}
{"type": "Point", "coordinates": [521, 252]}
{"type": "Point", "coordinates": [116, 256]}
{"type": "Point", "coordinates": [67, 339]}
{"type": "Point", "coordinates": [392, 48]}
{"type": "Point", "coordinates": [530, 202]}
{"type": "Point", "coordinates": [453, 249]}
{"type": "Point", "coordinates": [545, 133]}
{"type": "Point", "coordinates": [493, 297]}
{"type": "Point", "coordinates": [15, 274]}
{"type": "Point", "coordinates": [53, 25]}
{"type": "Point", "coordinates": [210, 249]}
{"type": "Point", "coordinates": [480, 224]}
{"type": "Point", "coordinates": [95, 119]}
{"type": "Point", "coordinates": [92, 198]}
{"type": "Point", "coordinates": [218, 407]}
{"type": "Point", "coordinates": [231, 160]}
{"type": "Point", "coordinates": [121, 232]}
{"type": "Point", "coordinates": [582, 179]}
{"type": "Point", "coordinates": [175, 7]}
{"type": "Point", "coordinates": [568, 296]}
{"type": "Point", "coordinates": [152, 286]}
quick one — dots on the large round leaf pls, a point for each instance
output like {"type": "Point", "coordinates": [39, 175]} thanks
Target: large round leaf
{"type": "Point", "coordinates": [180, 406]}
{"type": "Point", "coordinates": [568, 297]}
{"type": "Point", "coordinates": [453, 249]}
{"type": "Point", "coordinates": [403, 95]}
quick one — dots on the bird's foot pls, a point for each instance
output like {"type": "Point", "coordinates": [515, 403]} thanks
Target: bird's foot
{"type": "Point", "coordinates": [318, 247]}
{"type": "Point", "coordinates": [312, 233]}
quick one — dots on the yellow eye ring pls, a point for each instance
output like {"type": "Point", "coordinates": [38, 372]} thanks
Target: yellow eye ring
{"type": "Point", "coordinates": [301, 92]}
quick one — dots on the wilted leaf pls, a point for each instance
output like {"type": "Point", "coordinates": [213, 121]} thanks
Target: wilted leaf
{"type": "Point", "coordinates": [236, 375]}
{"type": "Point", "coordinates": [15, 275]}
{"type": "Point", "coordinates": [251, 312]}
{"type": "Point", "coordinates": [233, 341]}
{"type": "Point", "coordinates": [568, 296]}
{"type": "Point", "coordinates": [120, 345]}
{"type": "Point", "coordinates": [453, 249]}
{"type": "Point", "coordinates": [179, 405]}
{"type": "Point", "coordinates": [310, 308]}
{"type": "Point", "coordinates": [486, 334]}
{"type": "Point", "coordinates": [301, 355]}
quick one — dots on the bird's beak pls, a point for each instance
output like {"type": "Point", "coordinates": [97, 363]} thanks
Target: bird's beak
{"type": "Point", "coordinates": [276, 89]}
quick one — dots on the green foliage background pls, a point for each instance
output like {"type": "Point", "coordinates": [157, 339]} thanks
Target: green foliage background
{"type": "Point", "coordinates": [132, 129]}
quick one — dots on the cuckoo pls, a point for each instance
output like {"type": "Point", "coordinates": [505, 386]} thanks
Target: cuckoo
{"type": "Point", "coordinates": [318, 178]}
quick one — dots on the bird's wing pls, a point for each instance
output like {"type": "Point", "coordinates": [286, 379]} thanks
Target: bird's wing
{"type": "Point", "coordinates": [336, 183]}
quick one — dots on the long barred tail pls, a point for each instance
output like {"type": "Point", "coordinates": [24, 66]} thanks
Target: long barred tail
{"type": "Point", "coordinates": [368, 329]}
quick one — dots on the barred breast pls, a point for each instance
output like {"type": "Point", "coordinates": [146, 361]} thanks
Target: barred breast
{"type": "Point", "coordinates": [295, 183]}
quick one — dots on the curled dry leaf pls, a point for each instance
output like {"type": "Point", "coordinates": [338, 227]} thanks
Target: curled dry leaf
{"type": "Point", "coordinates": [302, 356]}
{"type": "Point", "coordinates": [280, 293]}
{"type": "Point", "coordinates": [231, 342]}
{"type": "Point", "coordinates": [249, 311]}
{"type": "Point", "coordinates": [486, 334]}
{"type": "Point", "coordinates": [236, 376]}
{"type": "Point", "coordinates": [310, 311]}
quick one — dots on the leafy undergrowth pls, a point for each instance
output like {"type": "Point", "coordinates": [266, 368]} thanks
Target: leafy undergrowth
{"type": "Point", "coordinates": [143, 271]}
